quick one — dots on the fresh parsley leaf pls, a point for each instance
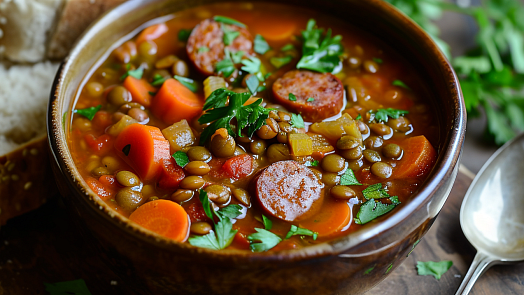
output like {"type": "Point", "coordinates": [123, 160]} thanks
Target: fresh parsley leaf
{"type": "Point", "coordinates": [237, 56]}
{"type": "Point", "coordinates": [181, 158]}
{"type": "Point", "coordinates": [260, 45]}
{"type": "Point", "coordinates": [292, 97]}
{"type": "Point", "coordinates": [382, 115]}
{"type": "Point", "coordinates": [203, 49]}
{"type": "Point", "coordinates": [298, 231]}
{"type": "Point", "coordinates": [287, 47]}
{"type": "Point", "coordinates": [310, 99]}
{"type": "Point", "coordinates": [432, 268]}
{"type": "Point", "coordinates": [252, 84]}
{"type": "Point", "coordinates": [251, 65]}
{"type": "Point", "coordinates": [251, 116]}
{"type": "Point", "coordinates": [207, 241]}
{"type": "Point", "coordinates": [225, 233]}
{"type": "Point", "coordinates": [320, 52]}
{"type": "Point", "coordinates": [158, 80]}
{"type": "Point", "coordinates": [359, 117]}
{"type": "Point", "coordinates": [375, 191]}
{"type": "Point", "coordinates": [225, 66]}
{"type": "Point", "coordinates": [400, 84]}
{"type": "Point", "coordinates": [313, 163]}
{"type": "Point", "coordinates": [88, 112]}
{"type": "Point", "coordinates": [231, 211]}
{"type": "Point", "coordinates": [348, 178]}
{"type": "Point", "coordinates": [126, 149]}
{"type": "Point", "coordinates": [189, 83]}
{"type": "Point", "coordinates": [184, 34]}
{"type": "Point", "coordinates": [297, 121]}
{"type": "Point", "coordinates": [279, 62]}
{"type": "Point", "coordinates": [369, 270]}
{"type": "Point", "coordinates": [268, 224]}
{"type": "Point", "coordinates": [378, 60]}
{"type": "Point", "coordinates": [266, 240]}
{"type": "Point", "coordinates": [261, 88]}
{"type": "Point", "coordinates": [229, 35]}
{"type": "Point", "coordinates": [137, 74]}
{"type": "Point", "coordinates": [372, 209]}
{"type": "Point", "coordinates": [228, 21]}
{"type": "Point", "coordinates": [76, 287]}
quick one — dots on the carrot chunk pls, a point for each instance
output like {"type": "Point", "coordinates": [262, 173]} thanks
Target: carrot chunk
{"type": "Point", "coordinates": [103, 191]}
{"type": "Point", "coordinates": [171, 175]}
{"type": "Point", "coordinates": [418, 158]}
{"type": "Point", "coordinates": [151, 33]}
{"type": "Point", "coordinates": [163, 217]}
{"type": "Point", "coordinates": [140, 90]}
{"type": "Point", "coordinates": [275, 30]}
{"type": "Point", "coordinates": [144, 148]}
{"type": "Point", "coordinates": [239, 166]}
{"type": "Point", "coordinates": [332, 218]}
{"type": "Point", "coordinates": [175, 102]}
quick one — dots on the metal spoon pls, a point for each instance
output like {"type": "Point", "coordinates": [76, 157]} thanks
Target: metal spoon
{"type": "Point", "coordinates": [492, 212]}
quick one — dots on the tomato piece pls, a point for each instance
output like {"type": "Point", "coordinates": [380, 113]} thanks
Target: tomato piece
{"type": "Point", "coordinates": [196, 212]}
{"type": "Point", "coordinates": [239, 166]}
{"type": "Point", "coordinates": [101, 190]}
{"type": "Point", "coordinates": [102, 120]}
{"type": "Point", "coordinates": [171, 175]}
{"type": "Point", "coordinates": [98, 145]}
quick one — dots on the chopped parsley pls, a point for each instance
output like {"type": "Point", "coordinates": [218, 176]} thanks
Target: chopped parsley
{"type": "Point", "coordinates": [260, 45]}
{"type": "Point", "coordinates": [375, 191]}
{"type": "Point", "coordinates": [372, 209]}
{"type": "Point", "coordinates": [251, 116]}
{"type": "Point", "coordinates": [378, 60]}
{"type": "Point", "coordinates": [313, 163]}
{"type": "Point", "coordinates": [287, 47]}
{"type": "Point", "coordinates": [227, 65]}
{"type": "Point", "coordinates": [228, 21]}
{"type": "Point", "coordinates": [189, 83]}
{"type": "Point", "coordinates": [297, 121]}
{"type": "Point", "coordinates": [126, 149]}
{"type": "Point", "coordinates": [137, 74]}
{"type": "Point", "coordinates": [236, 57]}
{"type": "Point", "coordinates": [268, 224]}
{"type": "Point", "coordinates": [76, 287]}
{"type": "Point", "coordinates": [266, 240]}
{"type": "Point", "coordinates": [184, 34]}
{"type": "Point", "coordinates": [158, 80]}
{"type": "Point", "coordinates": [320, 52]}
{"type": "Point", "coordinates": [292, 97]}
{"type": "Point", "coordinates": [348, 178]}
{"type": "Point", "coordinates": [382, 115]}
{"type": "Point", "coordinates": [252, 84]}
{"type": "Point", "coordinates": [203, 49]}
{"type": "Point", "coordinates": [229, 35]}
{"type": "Point", "coordinates": [310, 99]}
{"type": "Point", "coordinates": [359, 117]}
{"type": "Point", "coordinates": [88, 112]}
{"type": "Point", "coordinates": [432, 268]}
{"type": "Point", "coordinates": [400, 84]}
{"type": "Point", "coordinates": [224, 233]}
{"type": "Point", "coordinates": [251, 65]}
{"type": "Point", "coordinates": [181, 158]}
{"type": "Point", "coordinates": [279, 62]}
{"type": "Point", "coordinates": [298, 231]}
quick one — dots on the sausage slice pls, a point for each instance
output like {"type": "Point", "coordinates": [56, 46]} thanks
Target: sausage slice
{"type": "Point", "coordinates": [209, 34]}
{"type": "Point", "coordinates": [326, 91]}
{"type": "Point", "coordinates": [289, 191]}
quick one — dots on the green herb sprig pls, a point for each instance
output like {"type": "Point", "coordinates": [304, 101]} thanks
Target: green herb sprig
{"type": "Point", "coordinates": [372, 209]}
{"type": "Point", "coordinates": [89, 113]}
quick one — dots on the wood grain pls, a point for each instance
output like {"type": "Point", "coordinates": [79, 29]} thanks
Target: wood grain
{"type": "Point", "coordinates": [44, 246]}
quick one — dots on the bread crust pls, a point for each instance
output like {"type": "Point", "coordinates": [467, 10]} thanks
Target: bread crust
{"type": "Point", "coordinates": [26, 181]}
{"type": "Point", "coordinates": [76, 16]}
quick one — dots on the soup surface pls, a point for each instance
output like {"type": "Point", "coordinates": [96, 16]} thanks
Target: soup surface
{"type": "Point", "coordinates": [253, 126]}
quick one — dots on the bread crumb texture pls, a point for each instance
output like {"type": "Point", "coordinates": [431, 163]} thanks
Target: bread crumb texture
{"type": "Point", "coordinates": [24, 93]}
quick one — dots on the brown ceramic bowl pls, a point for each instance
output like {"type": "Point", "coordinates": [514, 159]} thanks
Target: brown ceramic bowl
{"type": "Point", "coordinates": [347, 265]}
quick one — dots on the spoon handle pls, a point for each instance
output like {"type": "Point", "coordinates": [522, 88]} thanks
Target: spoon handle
{"type": "Point", "coordinates": [480, 264]}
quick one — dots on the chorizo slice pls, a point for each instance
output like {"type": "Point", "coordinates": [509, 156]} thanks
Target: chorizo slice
{"type": "Point", "coordinates": [289, 191]}
{"type": "Point", "coordinates": [318, 95]}
{"type": "Point", "coordinates": [209, 34]}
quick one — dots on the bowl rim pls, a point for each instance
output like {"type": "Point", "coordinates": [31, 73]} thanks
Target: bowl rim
{"type": "Point", "coordinates": [449, 158]}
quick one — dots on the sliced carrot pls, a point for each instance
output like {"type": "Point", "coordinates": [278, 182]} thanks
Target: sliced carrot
{"type": "Point", "coordinates": [163, 217]}
{"type": "Point", "coordinates": [174, 102]}
{"type": "Point", "coordinates": [273, 29]}
{"type": "Point", "coordinates": [171, 175]}
{"type": "Point", "coordinates": [239, 166]}
{"type": "Point", "coordinates": [140, 90]}
{"type": "Point", "coordinates": [104, 192]}
{"type": "Point", "coordinates": [332, 218]}
{"type": "Point", "coordinates": [418, 158]}
{"type": "Point", "coordinates": [144, 148]}
{"type": "Point", "coordinates": [151, 33]}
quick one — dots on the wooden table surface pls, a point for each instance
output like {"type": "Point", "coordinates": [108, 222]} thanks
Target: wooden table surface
{"type": "Point", "coordinates": [45, 247]}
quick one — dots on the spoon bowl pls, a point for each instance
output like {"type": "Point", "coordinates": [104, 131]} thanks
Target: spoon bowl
{"type": "Point", "coordinates": [491, 215]}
